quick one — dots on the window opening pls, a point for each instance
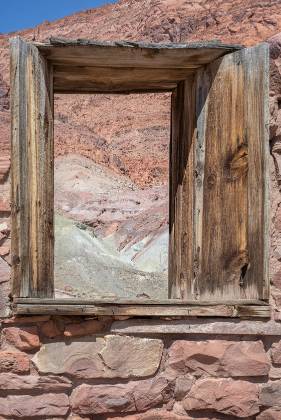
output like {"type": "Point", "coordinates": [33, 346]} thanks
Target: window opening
{"type": "Point", "coordinates": [111, 195]}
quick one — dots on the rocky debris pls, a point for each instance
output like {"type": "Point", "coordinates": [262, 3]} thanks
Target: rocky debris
{"type": "Point", "coordinates": [233, 397]}
{"type": "Point", "coordinates": [98, 357]}
{"type": "Point", "coordinates": [122, 398]}
{"type": "Point", "coordinates": [12, 382]}
{"type": "Point", "coordinates": [28, 406]}
{"type": "Point", "coordinates": [5, 249]}
{"type": "Point", "coordinates": [14, 361]}
{"type": "Point", "coordinates": [118, 246]}
{"type": "Point", "coordinates": [24, 339]}
{"type": "Point", "coordinates": [4, 271]}
{"type": "Point", "coordinates": [97, 268]}
{"type": "Point", "coordinates": [4, 167]}
{"type": "Point", "coordinates": [219, 358]}
{"type": "Point", "coordinates": [271, 394]}
{"type": "Point", "coordinates": [4, 95]}
{"type": "Point", "coordinates": [5, 289]}
{"type": "Point", "coordinates": [4, 206]}
{"type": "Point", "coordinates": [91, 326]}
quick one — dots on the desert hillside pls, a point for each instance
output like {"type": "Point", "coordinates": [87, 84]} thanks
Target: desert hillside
{"type": "Point", "coordinates": [246, 22]}
{"type": "Point", "coordinates": [107, 147]}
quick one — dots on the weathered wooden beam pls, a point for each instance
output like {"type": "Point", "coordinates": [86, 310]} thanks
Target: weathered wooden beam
{"type": "Point", "coordinates": [32, 171]}
{"type": "Point", "coordinates": [132, 54]}
{"type": "Point", "coordinates": [216, 44]}
{"type": "Point", "coordinates": [140, 301]}
{"type": "Point", "coordinates": [139, 308]}
{"type": "Point", "coordinates": [145, 310]}
{"type": "Point", "coordinates": [219, 181]}
{"type": "Point", "coordinates": [231, 182]}
{"type": "Point", "coordinates": [115, 79]}
{"type": "Point", "coordinates": [181, 194]}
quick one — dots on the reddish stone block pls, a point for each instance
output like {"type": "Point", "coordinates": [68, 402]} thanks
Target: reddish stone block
{"type": "Point", "coordinates": [29, 406]}
{"type": "Point", "coordinates": [4, 206]}
{"type": "Point", "coordinates": [102, 399]}
{"type": "Point", "coordinates": [5, 228]}
{"type": "Point", "coordinates": [24, 339]}
{"type": "Point", "coordinates": [15, 362]}
{"type": "Point", "coordinates": [122, 398]}
{"type": "Point", "coordinates": [227, 396]}
{"type": "Point", "coordinates": [276, 353]}
{"type": "Point", "coordinates": [270, 394]}
{"type": "Point", "coordinates": [75, 417]}
{"type": "Point", "coordinates": [50, 329]}
{"type": "Point", "coordinates": [159, 414]}
{"type": "Point", "coordinates": [4, 271]}
{"type": "Point", "coordinates": [151, 393]}
{"type": "Point", "coordinates": [183, 386]}
{"type": "Point", "coordinates": [110, 356]}
{"type": "Point", "coordinates": [270, 414]}
{"type": "Point", "coordinates": [276, 279]}
{"type": "Point", "coordinates": [219, 358]}
{"type": "Point", "coordinates": [26, 319]}
{"type": "Point", "coordinates": [4, 166]}
{"type": "Point", "coordinates": [5, 249]}
{"type": "Point", "coordinates": [92, 326]}
{"type": "Point", "coordinates": [12, 382]}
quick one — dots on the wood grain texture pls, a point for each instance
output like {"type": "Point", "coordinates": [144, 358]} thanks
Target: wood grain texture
{"type": "Point", "coordinates": [219, 189]}
{"type": "Point", "coordinates": [181, 190]}
{"type": "Point", "coordinates": [32, 171]}
{"type": "Point", "coordinates": [139, 301]}
{"type": "Point", "coordinates": [132, 54]}
{"type": "Point", "coordinates": [218, 163]}
{"type": "Point", "coordinates": [141, 309]}
{"type": "Point", "coordinates": [115, 79]}
{"type": "Point", "coordinates": [231, 198]}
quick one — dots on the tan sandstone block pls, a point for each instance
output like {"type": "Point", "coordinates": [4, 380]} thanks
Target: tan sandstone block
{"type": "Point", "coordinates": [101, 357]}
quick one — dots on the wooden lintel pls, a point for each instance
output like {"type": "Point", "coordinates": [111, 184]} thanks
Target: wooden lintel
{"type": "Point", "coordinates": [124, 54]}
{"type": "Point", "coordinates": [114, 79]}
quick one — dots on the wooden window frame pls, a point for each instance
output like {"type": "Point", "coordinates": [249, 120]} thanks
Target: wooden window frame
{"type": "Point", "coordinates": [38, 70]}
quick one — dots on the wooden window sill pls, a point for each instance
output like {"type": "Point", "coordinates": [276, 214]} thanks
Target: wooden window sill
{"type": "Point", "coordinates": [168, 308]}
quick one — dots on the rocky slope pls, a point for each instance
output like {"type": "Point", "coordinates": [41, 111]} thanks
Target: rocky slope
{"type": "Point", "coordinates": [111, 236]}
{"type": "Point", "coordinates": [245, 22]}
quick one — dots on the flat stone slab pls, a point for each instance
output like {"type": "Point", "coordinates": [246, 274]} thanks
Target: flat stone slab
{"type": "Point", "coordinates": [101, 357]}
{"type": "Point", "coordinates": [197, 326]}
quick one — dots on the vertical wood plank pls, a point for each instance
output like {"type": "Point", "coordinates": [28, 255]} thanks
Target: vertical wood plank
{"type": "Point", "coordinates": [232, 228]}
{"type": "Point", "coordinates": [181, 190]}
{"type": "Point", "coordinates": [219, 181]}
{"type": "Point", "coordinates": [257, 99]}
{"type": "Point", "coordinates": [32, 172]}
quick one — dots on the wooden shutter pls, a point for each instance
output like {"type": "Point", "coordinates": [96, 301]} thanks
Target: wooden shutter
{"type": "Point", "coordinates": [219, 180]}
{"type": "Point", "coordinates": [32, 171]}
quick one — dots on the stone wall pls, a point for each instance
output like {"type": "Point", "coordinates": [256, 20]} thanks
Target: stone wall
{"type": "Point", "coordinates": [87, 368]}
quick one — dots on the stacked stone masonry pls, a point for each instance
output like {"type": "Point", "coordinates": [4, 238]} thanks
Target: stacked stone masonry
{"type": "Point", "coordinates": [47, 371]}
